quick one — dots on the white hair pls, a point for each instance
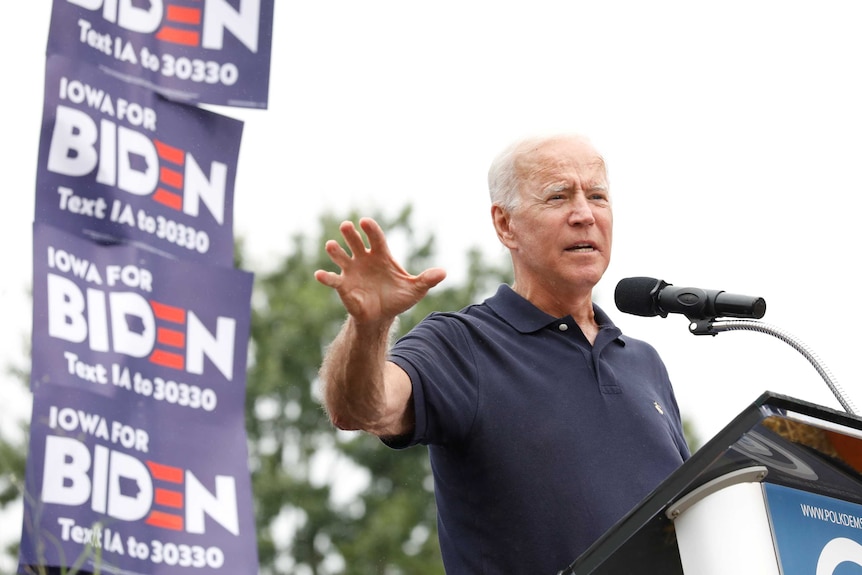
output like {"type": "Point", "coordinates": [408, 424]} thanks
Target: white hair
{"type": "Point", "coordinates": [503, 178]}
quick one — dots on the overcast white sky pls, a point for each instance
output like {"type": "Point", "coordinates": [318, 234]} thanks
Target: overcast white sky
{"type": "Point", "coordinates": [732, 131]}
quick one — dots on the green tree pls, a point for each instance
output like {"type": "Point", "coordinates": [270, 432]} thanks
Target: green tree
{"type": "Point", "coordinates": [13, 460]}
{"type": "Point", "coordinates": [301, 465]}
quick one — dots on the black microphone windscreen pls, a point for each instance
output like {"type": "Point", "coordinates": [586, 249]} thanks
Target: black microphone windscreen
{"type": "Point", "coordinates": [637, 296]}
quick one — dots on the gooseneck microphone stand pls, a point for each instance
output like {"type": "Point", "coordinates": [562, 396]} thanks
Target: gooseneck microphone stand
{"type": "Point", "coordinates": [715, 326]}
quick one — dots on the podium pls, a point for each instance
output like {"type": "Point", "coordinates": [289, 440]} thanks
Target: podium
{"type": "Point", "coordinates": [778, 491]}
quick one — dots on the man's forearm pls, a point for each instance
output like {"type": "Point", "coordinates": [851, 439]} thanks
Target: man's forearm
{"type": "Point", "coordinates": [356, 392]}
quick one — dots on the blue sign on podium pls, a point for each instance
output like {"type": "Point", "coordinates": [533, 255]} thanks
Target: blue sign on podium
{"type": "Point", "coordinates": [815, 534]}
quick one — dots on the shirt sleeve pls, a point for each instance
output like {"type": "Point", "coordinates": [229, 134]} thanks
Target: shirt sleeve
{"type": "Point", "coordinates": [439, 358]}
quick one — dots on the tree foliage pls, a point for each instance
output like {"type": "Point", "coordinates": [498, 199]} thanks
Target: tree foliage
{"type": "Point", "coordinates": [13, 462]}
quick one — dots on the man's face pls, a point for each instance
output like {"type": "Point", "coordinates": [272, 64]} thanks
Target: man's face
{"type": "Point", "coordinates": [561, 232]}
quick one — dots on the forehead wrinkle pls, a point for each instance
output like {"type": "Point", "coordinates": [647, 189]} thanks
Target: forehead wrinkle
{"type": "Point", "coordinates": [588, 184]}
{"type": "Point", "coordinates": [537, 165]}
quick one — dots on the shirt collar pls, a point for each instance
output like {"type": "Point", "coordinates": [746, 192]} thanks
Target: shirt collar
{"type": "Point", "coordinates": [527, 318]}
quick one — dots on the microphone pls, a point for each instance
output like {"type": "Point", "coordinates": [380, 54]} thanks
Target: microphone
{"type": "Point", "coordinates": [649, 297]}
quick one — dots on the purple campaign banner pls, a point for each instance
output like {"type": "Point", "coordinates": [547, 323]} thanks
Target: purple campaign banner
{"type": "Point", "coordinates": [117, 162]}
{"type": "Point", "coordinates": [193, 51]}
{"type": "Point", "coordinates": [121, 487]}
{"type": "Point", "coordinates": [130, 325]}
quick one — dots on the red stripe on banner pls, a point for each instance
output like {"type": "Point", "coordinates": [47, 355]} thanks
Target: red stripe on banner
{"type": "Point", "coordinates": [168, 498]}
{"type": "Point", "coordinates": [165, 520]}
{"type": "Point", "coordinates": [177, 36]}
{"type": "Point", "coordinates": [170, 337]}
{"type": "Point", "coordinates": [171, 177]}
{"type": "Point", "coordinates": [170, 153]}
{"type": "Point", "coordinates": [168, 199]}
{"type": "Point", "coordinates": [168, 312]}
{"type": "Point", "coordinates": [184, 15]}
{"type": "Point", "coordinates": [167, 359]}
{"type": "Point", "coordinates": [165, 472]}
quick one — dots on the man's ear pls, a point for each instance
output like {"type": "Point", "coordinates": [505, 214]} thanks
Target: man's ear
{"type": "Point", "coordinates": [503, 225]}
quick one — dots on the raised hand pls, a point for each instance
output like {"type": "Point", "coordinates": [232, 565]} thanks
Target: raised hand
{"type": "Point", "coordinates": [373, 287]}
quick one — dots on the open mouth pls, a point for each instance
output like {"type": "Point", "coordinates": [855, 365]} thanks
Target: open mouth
{"type": "Point", "coordinates": [581, 248]}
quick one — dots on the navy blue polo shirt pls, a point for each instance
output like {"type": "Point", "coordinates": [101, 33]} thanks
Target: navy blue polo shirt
{"type": "Point", "coordinates": [539, 441]}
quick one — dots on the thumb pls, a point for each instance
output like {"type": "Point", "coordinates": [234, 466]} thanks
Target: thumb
{"type": "Point", "coordinates": [430, 278]}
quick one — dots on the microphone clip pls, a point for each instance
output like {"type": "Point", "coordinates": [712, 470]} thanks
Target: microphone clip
{"type": "Point", "coordinates": [703, 327]}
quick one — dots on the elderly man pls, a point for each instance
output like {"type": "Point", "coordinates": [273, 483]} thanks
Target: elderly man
{"type": "Point", "coordinates": [545, 424]}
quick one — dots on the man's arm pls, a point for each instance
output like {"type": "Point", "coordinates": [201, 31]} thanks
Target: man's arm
{"type": "Point", "coordinates": [361, 389]}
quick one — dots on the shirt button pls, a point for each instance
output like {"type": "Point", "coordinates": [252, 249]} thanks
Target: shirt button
{"type": "Point", "coordinates": [563, 327]}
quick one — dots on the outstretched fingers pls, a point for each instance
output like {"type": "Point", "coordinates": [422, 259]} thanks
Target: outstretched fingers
{"type": "Point", "coordinates": [337, 254]}
{"type": "Point", "coordinates": [343, 258]}
{"type": "Point", "coordinates": [370, 280]}
{"type": "Point", "coordinates": [376, 237]}
{"type": "Point", "coordinates": [352, 238]}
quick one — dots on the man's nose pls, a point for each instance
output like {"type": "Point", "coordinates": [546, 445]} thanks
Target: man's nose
{"type": "Point", "coordinates": [581, 211]}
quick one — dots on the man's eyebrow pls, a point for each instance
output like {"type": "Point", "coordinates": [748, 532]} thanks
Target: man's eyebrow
{"type": "Point", "coordinates": [556, 187]}
{"type": "Point", "coordinates": [563, 186]}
